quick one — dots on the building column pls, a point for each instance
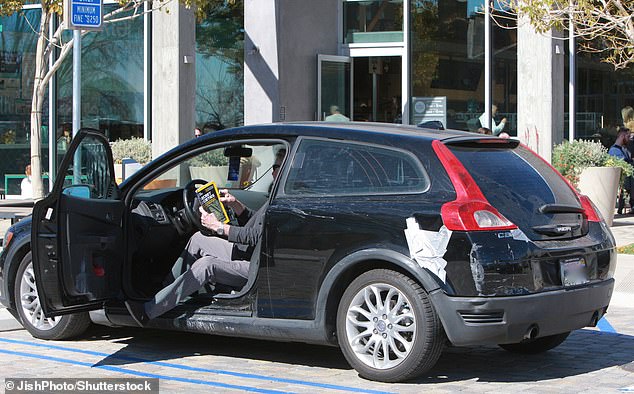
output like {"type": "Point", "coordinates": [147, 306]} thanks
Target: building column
{"type": "Point", "coordinates": [261, 68]}
{"type": "Point", "coordinates": [173, 77]}
{"type": "Point", "coordinates": [281, 42]}
{"type": "Point", "coordinates": [540, 89]}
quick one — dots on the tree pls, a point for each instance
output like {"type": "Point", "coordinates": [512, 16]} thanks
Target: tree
{"type": "Point", "coordinates": [602, 26]}
{"type": "Point", "coordinates": [47, 43]}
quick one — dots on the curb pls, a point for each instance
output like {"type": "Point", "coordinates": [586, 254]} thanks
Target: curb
{"type": "Point", "coordinates": [8, 322]}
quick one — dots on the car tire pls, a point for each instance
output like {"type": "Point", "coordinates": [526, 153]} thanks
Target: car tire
{"type": "Point", "coordinates": [536, 346]}
{"type": "Point", "coordinates": [408, 327]}
{"type": "Point", "coordinates": [28, 308]}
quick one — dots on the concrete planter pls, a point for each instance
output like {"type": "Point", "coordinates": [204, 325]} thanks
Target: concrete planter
{"type": "Point", "coordinates": [125, 169]}
{"type": "Point", "coordinates": [212, 173]}
{"type": "Point", "coordinates": [601, 185]}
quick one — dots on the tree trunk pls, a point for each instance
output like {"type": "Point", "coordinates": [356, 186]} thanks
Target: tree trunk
{"type": "Point", "coordinates": [36, 108]}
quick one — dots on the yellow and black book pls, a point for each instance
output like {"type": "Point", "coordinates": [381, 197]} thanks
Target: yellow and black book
{"type": "Point", "coordinates": [209, 198]}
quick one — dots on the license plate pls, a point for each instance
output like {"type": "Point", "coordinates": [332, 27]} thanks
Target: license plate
{"type": "Point", "coordinates": [573, 271]}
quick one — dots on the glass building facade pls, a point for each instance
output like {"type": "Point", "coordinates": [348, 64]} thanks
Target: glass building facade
{"type": "Point", "coordinates": [399, 61]}
{"type": "Point", "coordinates": [112, 86]}
{"type": "Point", "coordinates": [17, 69]}
{"type": "Point", "coordinates": [219, 69]}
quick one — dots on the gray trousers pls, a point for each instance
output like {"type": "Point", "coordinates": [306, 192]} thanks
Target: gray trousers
{"type": "Point", "coordinates": [205, 259]}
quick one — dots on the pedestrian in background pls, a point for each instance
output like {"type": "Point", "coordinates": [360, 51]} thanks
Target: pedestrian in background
{"type": "Point", "coordinates": [619, 150]}
{"type": "Point", "coordinates": [496, 128]}
{"type": "Point", "coordinates": [26, 187]}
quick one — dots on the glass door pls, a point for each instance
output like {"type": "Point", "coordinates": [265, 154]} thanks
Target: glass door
{"type": "Point", "coordinates": [377, 89]}
{"type": "Point", "coordinates": [334, 88]}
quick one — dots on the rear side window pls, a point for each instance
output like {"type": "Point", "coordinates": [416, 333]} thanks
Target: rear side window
{"type": "Point", "coordinates": [345, 168]}
{"type": "Point", "coordinates": [515, 181]}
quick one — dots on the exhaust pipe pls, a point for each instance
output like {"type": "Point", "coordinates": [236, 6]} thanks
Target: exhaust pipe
{"type": "Point", "coordinates": [595, 319]}
{"type": "Point", "coordinates": [532, 332]}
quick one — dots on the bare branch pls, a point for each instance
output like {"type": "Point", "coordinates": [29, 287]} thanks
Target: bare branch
{"type": "Point", "coordinates": [604, 27]}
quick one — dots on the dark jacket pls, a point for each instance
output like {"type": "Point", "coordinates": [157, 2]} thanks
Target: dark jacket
{"type": "Point", "coordinates": [246, 236]}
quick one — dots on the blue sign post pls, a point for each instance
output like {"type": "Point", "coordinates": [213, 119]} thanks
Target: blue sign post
{"type": "Point", "coordinates": [84, 14]}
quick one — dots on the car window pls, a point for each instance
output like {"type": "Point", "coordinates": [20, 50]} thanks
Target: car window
{"type": "Point", "coordinates": [516, 177]}
{"type": "Point", "coordinates": [344, 168]}
{"type": "Point", "coordinates": [518, 184]}
{"type": "Point", "coordinates": [243, 166]}
{"type": "Point", "coordinates": [88, 174]}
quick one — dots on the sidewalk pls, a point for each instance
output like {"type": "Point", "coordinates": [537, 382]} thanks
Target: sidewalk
{"type": "Point", "coordinates": [623, 230]}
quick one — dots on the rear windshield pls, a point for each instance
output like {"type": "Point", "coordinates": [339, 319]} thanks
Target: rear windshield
{"type": "Point", "coordinates": [515, 181]}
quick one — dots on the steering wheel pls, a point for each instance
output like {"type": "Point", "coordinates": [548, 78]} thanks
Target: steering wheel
{"type": "Point", "coordinates": [191, 203]}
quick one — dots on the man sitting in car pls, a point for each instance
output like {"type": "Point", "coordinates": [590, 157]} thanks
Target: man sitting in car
{"type": "Point", "coordinates": [222, 258]}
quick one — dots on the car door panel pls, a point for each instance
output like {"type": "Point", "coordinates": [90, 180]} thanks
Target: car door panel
{"type": "Point", "coordinates": [77, 236]}
{"type": "Point", "coordinates": [91, 239]}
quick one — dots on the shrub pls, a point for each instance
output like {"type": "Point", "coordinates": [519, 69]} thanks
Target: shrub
{"type": "Point", "coordinates": [134, 148]}
{"type": "Point", "coordinates": [570, 158]}
{"type": "Point", "coordinates": [210, 159]}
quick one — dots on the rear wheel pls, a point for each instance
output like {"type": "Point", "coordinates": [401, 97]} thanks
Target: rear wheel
{"type": "Point", "coordinates": [387, 327]}
{"type": "Point", "coordinates": [536, 346]}
{"type": "Point", "coordinates": [29, 309]}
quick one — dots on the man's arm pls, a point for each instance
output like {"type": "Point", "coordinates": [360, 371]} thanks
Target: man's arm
{"type": "Point", "coordinates": [498, 128]}
{"type": "Point", "coordinates": [250, 233]}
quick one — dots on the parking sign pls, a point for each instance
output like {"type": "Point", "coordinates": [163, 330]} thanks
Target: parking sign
{"type": "Point", "coordinates": [83, 14]}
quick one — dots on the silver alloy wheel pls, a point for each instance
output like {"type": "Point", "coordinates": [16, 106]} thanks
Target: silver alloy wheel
{"type": "Point", "coordinates": [380, 326]}
{"type": "Point", "coordinates": [30, 302]}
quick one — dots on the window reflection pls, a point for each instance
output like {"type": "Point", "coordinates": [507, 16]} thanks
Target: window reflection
{"type": "Point", "coordinates": [219, 68]}
{"type": "Point", "coordinates": [112, 81]}
{"type": "Point", "coordinates": [447, 44]}
{"type": "Point", "coordinates": [17, 68]}
{"type": "Point", "coordinates": [373, 21]}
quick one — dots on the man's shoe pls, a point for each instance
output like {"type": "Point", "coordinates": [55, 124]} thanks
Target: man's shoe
{"type": "Point", "coordinates": [137, 311]}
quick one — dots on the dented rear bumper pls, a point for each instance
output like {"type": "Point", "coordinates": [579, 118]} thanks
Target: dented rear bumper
{"type": "Point", "coordinates": [495, 320]}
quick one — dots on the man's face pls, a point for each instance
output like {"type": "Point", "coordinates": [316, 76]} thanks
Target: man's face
{"type": "Point", "coordinates": [276, 168]}
{"type": "Point", "coordinates": [624, 138]}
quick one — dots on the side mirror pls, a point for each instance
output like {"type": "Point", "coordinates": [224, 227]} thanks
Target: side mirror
{"type": "Point", "coordinates": [81, 191]}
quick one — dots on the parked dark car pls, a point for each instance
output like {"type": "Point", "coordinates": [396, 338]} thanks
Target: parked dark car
{"type": "Point", "coordinates": [387, 241]}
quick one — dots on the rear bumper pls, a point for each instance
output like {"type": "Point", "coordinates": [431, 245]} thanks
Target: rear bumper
{"type": "Point", "coordinates": [494, 320]}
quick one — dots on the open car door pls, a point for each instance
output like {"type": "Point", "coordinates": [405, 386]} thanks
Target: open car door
{"type": "Point", "coordinates": [77, 236]}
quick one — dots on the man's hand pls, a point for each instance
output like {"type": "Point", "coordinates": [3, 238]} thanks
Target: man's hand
{"type": "Point", "coordinates": [227, 198]}
{"type": "Point", "coordinates": [231, 201]}
{"type": "Point", "coordinates": [503, 120]}
{"type": "Point", "coordinates": [208, 220]}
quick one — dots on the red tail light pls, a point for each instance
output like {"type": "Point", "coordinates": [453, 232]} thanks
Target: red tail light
{"type": "Point", "coordinates": [470, 211]}
{"type": "Point", "coordinates": [589, 209]}
{"type": "Point", "coordinates": [591, 212]}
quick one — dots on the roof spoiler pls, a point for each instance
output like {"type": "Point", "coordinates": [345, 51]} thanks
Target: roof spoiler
{"type": "Point", "coordinates": [480, 140]}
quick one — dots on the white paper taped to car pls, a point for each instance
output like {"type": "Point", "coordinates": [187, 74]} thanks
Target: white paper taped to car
{"type": "Point", "coordinates": [428, 247]}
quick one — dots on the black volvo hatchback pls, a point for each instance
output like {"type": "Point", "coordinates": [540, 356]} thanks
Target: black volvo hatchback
{"type": "Point", "coordinates": [387, 241]}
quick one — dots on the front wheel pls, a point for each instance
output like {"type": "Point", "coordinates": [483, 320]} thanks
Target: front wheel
{"type": "Point", "coordinates": [536, 346]}
{"type": "Point", "coordinates": [29, 309]}
{"type": "Point", "coordinates": [387, 327]}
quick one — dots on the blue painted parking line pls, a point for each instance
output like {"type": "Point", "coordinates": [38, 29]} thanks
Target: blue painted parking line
{"type": "Point", "coordinates": [605, 326]}
{"type": "Point", "coordinates": [143, 374]}
{"type": "Point", "coordinates": [197, 369]}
